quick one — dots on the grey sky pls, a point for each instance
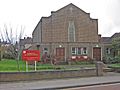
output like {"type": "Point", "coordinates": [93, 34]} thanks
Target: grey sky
{"type": "Point", "coordinates": [27, 13]}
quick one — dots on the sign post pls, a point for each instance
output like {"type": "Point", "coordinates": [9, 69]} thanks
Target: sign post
{"type": "Point", "coordinates": [31, 55]}
{"type": "Point", "coordinates": [26, 66]}
{"type": "Point", "coordinates": [35, 66]}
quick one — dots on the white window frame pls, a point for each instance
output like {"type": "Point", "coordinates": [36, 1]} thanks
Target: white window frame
{"type": "Point", "coordinates": [107, 50]}
{"type": "Point", "coordinates": [45, 50]}
{"type": "Point", "coordinates": [75, 52]}
{"type": "Point", "coordinates": [82, 52]}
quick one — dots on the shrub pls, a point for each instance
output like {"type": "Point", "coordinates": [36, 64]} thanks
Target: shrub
{"type": "Point", "coordinates": [7, 56]}
{"type": "Point", "coordinates": [110, 59]}
{"type": "Point", "coordinates": [117, 59]}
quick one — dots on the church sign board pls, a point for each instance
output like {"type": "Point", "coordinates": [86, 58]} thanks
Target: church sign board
{"type": "Point", "coordinates": [31, 55]}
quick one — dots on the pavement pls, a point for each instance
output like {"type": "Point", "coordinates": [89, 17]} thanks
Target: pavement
{"type": "Point", "coordinates": [108, 78]}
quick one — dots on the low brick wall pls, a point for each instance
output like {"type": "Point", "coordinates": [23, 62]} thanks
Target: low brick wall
{"type": "Point", "coordinates": [40, 75]}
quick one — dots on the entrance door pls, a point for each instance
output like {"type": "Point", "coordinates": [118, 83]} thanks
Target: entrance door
{"type": "Point", "coordinates": [60, 53]}
{"type": "Point", "coordinates": [97, 53]}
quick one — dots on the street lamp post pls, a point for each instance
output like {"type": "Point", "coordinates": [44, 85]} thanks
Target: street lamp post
{"type": "Point", "coordinates": [17, 50]}
{"type": "Point", "coordinates": [0, 49]}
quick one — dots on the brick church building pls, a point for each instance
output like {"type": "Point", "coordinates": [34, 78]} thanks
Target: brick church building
{"type": "Point", "coordinates": [68, 32]}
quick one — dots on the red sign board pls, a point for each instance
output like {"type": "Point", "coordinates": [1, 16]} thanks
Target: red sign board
{"type": "Point", "coordinates": [31, 55]}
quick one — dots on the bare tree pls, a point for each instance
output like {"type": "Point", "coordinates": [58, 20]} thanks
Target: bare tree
{"type": "Point", "coordinates": [12, 38]}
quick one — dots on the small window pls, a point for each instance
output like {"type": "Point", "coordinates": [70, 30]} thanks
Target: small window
{"type": "Point", "coordinates": [79, 51]}
{"type": "Point", "coordinates": [84, 50]}
{"type": "Point", "coordinates": [73, 51]}
{"type": "Point", "coordinates": [107, 50]}
{"type": "Point", "coordinates": [45, 49]}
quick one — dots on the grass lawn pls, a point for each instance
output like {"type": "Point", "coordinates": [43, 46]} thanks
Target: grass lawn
{"type": "Point", "coordinates": [9, 65]}
{"type": "Point", "coordinates": [117, 65]}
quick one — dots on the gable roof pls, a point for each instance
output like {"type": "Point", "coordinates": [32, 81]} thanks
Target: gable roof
{"type": "Point", "coordinates": [109, 39]}
{"type": "Point", "coordinates": [105, 40]}
{"type": "Point", "coordinates": [115, 35]}
{"type": "Point", "coordinates": [24, 41]}
{"type": "Point", "coordinates": [71, 4]}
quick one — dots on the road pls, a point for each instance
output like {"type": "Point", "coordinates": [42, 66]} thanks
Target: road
{"type": "Point", "coordinates": [98, 87]}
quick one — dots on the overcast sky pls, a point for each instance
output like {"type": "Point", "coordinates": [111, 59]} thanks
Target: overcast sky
{"type": "Point", "coordinates": [27, 13]}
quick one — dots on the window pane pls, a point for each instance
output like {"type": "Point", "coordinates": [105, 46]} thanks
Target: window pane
{"type": "Point", "coordinates": [84, 50]}
{"type": "Point", "coordinates": [71, 31]}
{"type": "Point", "coordinates": [108, 50]}
{"type": "Point", "coordinates": [73, 50]}
{"type": "Point", "coordinates": [78, 51]}
{"type": "Point", "coordinates": [45, 49]}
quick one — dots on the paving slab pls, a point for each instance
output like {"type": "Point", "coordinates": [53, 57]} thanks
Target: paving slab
{"type": "Point", "coordinates": [61, 83]}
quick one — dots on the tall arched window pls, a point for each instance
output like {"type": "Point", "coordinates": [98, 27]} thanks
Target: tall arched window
{"type": "Point", "coordinates": [71, 31]}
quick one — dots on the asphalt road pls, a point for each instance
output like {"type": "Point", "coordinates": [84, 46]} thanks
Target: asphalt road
{"type": "Point", "coordinates": [98, 87]}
